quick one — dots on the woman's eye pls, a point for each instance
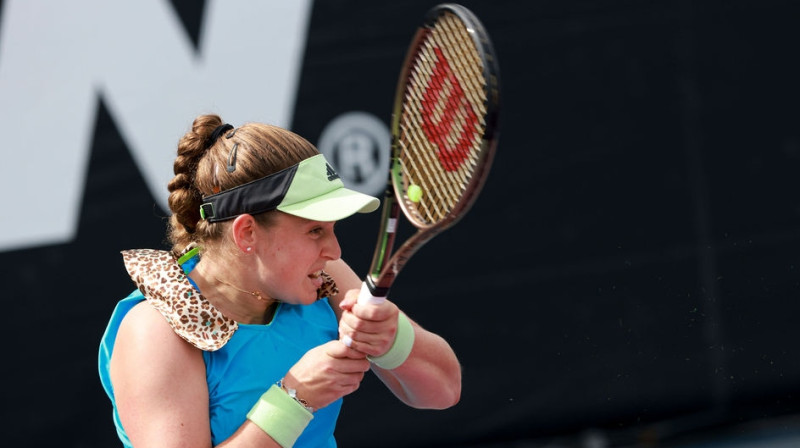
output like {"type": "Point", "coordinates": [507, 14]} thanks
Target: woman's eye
{"type": "Point", "coordinates": [320, 230]}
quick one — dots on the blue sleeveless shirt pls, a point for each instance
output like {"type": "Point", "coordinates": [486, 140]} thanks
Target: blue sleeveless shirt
{"type": "Point", "coordinates": [255, 357]}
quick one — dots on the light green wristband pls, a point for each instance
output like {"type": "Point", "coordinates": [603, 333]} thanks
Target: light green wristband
{"type": "Point", "coordinates": [280, 416]}
{"type": "Point", "coordinates": [401, 347]}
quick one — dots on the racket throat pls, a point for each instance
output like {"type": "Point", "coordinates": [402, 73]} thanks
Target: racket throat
{"type": "Point", "coordinates": [375, 290]}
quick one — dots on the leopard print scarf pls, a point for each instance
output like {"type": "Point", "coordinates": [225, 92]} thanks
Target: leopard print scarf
{"type": "Point", "coordinates": [163, 283]}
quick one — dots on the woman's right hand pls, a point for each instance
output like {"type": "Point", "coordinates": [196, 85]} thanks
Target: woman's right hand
{"type": "Point", "coordinates": [326, 373]}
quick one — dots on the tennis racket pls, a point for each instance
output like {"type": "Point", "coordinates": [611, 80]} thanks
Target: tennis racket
{"type": "Point", "coordinates": [444, 135]}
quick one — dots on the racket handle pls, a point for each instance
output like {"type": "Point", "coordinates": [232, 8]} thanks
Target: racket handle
{"type": "Point", "coordinates": [366, 297]}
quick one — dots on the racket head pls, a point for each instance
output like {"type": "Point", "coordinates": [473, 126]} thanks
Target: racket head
{"type": "Point", "coordinates": [445, 118]}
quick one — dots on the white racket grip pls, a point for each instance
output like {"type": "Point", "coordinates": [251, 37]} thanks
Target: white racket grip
{"type": "Point", "coordinates": [366, 297]}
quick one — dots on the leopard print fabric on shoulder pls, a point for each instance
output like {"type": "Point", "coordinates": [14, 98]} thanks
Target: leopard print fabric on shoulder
{"type": "Point", "coordinates": [328, 287]}
{"type": "Point", "coordinates": [161, 280]}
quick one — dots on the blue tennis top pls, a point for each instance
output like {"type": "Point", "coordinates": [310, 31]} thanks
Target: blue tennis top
{"type": "Point", "coordinates": [255, 357]}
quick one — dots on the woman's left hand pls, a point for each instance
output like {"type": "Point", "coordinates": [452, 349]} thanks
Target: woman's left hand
{"type": "Point", "coordinates": [430, 378]}
{"type": "Point", "coordinates": [366, 327]}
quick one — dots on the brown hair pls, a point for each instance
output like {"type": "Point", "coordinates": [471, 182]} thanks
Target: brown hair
{"type": "Point", "coordinates": [201, 170]}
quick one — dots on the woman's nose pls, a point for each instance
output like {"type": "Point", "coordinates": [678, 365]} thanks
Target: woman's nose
{"type": "Point", "coordinates": [332, 250]}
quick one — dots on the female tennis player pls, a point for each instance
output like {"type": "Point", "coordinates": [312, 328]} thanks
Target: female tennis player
{"type": "Point", "coordinates": [248, 332]}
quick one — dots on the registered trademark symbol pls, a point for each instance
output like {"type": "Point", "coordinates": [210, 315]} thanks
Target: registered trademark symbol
{"type": "Point", "coordinates": [358, 145]}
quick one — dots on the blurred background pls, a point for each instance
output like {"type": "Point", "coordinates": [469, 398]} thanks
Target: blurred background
{"type": "Point", "coordinates": [628, 278]}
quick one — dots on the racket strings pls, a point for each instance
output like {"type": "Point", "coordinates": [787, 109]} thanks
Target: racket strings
{"type": "Point", "coordinates": [420, 163]}
{"type": "Point", "coordinates": [442, 118]}
{"type": "Point", "coordinates": [443, 189]}
{"type": "Point", "coordinates": [441, 193]}
{"type": "Point", "coordinates": [463, 55]}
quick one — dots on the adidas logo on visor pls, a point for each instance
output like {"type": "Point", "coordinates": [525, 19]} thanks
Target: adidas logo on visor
{"type": "Point", "coordinates": [332, 175]}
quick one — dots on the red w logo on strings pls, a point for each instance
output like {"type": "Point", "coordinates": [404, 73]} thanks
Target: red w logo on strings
{"type": "Point", "coordinates": [448, 118]}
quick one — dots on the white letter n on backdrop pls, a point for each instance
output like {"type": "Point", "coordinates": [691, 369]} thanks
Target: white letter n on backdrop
{"type": "Point", "coordinates": [57, 58]}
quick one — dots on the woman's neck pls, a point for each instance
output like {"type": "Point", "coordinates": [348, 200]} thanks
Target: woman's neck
{"type": "Point", "coordinates": [234, 300]}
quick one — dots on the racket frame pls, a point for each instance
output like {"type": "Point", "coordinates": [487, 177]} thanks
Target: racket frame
{"type": "Point", "coordinates": [386, 264]}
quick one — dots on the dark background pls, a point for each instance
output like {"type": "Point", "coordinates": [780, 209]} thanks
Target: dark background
{"type": "Point", "coordinates": [629, 276]}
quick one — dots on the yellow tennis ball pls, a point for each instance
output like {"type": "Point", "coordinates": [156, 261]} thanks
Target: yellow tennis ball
{"type": "Point", "coordinates": [414, 193]}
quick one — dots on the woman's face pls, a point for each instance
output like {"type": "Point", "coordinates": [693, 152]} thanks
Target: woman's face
{"type": "Point", "coordinates": [293, 252]}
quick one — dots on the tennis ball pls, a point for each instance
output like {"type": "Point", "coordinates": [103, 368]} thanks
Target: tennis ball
{"type": "Point", "coordinates": [414, 193]}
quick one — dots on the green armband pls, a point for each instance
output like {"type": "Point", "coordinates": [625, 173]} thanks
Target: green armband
{"type": "Point", "coordinates": [401, 347]}
{"type": "Point", "coordinates": [280, 416]}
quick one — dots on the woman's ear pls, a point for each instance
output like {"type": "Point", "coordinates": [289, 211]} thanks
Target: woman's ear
{"type": "Point", "coordinates": [244, 230]}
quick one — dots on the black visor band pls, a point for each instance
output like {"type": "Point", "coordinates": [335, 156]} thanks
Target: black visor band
{"type": "Point", "coordinates": [258, 196]}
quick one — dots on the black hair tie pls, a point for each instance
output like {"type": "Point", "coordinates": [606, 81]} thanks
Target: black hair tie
{"type": "Point", "coordinates": [219, 130]}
